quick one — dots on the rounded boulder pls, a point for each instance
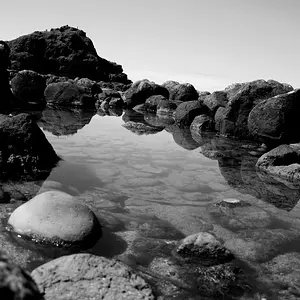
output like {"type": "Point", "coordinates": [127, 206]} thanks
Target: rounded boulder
{"type": "Point", "coordinates": [56, 217]}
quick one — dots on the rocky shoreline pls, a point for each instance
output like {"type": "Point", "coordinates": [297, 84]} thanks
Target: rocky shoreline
{"type": "Point", "coordinates": [60, 68]}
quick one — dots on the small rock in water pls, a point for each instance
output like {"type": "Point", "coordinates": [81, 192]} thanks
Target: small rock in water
{"type": "Point", "coordinates": [232, 202]}
{"type": "Point", "coordinates": [56, 217]}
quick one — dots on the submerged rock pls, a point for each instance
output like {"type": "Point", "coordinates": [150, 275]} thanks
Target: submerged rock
{"type": "Point", "coordinates": [57, 218]}
{"type": "Point", "coordinates": [86, 276]}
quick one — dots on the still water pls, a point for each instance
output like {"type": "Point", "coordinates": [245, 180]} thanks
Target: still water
{"type": "Point", "coordinates": [162, 186]}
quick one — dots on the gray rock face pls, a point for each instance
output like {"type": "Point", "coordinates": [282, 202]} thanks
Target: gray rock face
{"type": "Point", "coordinates": [69, 94]}
{"type": "Point", "coordinates": [29, 86]}
{"type": "Point", "coordinates": [55, 217]}
{"type": "Point", "coordinates": [181, 91]}
{"type": "Point", "coordinates": [85, 276]}
{"type": "Point", "coordinates": [187, 111]}
{"type": "Point", "coordinates": [15, 283]}
{"type": "Point", "coordinates": [275, 120]}
{"type": "Point", "coordinates": [283, 161]}
{"type": "Point", "coordinates": [141, 90]}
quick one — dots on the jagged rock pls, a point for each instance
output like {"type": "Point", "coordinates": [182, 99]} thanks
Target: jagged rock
{"type": "Point", "coordinates": [86, 276]}
{"type": "Point", "coordinates": [57, 218]}
{"type": "Point", "coordinates": [64, 51]}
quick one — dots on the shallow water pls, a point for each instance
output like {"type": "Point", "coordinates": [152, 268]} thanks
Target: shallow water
{"type": "Point", "coordinates": [159, 187]}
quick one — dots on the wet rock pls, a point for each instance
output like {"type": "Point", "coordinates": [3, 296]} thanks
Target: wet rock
{"type": "Point", "coordinates": [69, 94]}
{"type": "Point", "coordinates": [203, 248]}
{"type": "Point", "coordinates": [29, 86]}
{"type": "Point", "coordinates": [283, 161]}
{"type": "Point", "coordinates": [64, 120]}
{"type": "Point", "coordinates": [117, 86]}
{"type": "Point", "coordinates": [24, 147]}
{"type": "Point", "coordinates": [202, 123]}
{"type": "Point", "coordinates": [153, 101]}
{"type": "Point", "coordinates": [158, 120]}
{"type": "Point", "coordinates": [141, 90]}
{"type": "Point", "coordinates": [15, 283]}
{"type": "Point", "coordinates": [112, 97]}
{"type": "Point", "coordinates": [187, 111]}
{"type": "Point", "coordinates": [85, 276]}
{"type": "Point", "coordinates": [55, 217]}
{"type": "Point", "coordinates": [215, 100]}
{"type": "Point", "coordinates": [181, 91]}
{"type": "Point", "coordinates": [274, 121]}
{"type": "Point", "coordinates": [89, 84]}
{"type": "Point", "coordinates": [141, 128]}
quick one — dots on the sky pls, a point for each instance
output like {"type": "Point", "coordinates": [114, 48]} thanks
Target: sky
{"type": "Point", "coordinates": [208, 43]}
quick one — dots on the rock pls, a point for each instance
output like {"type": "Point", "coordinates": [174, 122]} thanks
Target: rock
{"type": "Point", "coordinates": [86, 276]}
{"type": "Point", "coordinates": [141, 128]}
{"type": "Point", "coordinates": [158, 120]}
{"type": "Point", "coordinates": [153, 101]}
{"type": "Point", "coordinates": [182, 92]}
{"type": "Point", "coordinates": [134, 116]}
{"type": "Point", "coordinates": [24, 147]}
{"type": "Point", "coordinates": [29, 86]}
{"type": "Point", "coordinates": [283, 161]}
{"type": "Point", "coordinates": [203, 248]}
{"type": "Point", "coordinates": [141, 90]}
{"type": "Point", "coordinates": [166, 108]}
{"type": "Point", "coordinates": [215, 100]}
{"type": "Point", "coordinates": [112, 97]}
{"type": "Point", "coordinates": [274, 121]}
{"type": "Point", "coordinates": [57, 218]}
{"type": "Point", "coordinates": [187, 111]}
{"type": "Point", "coordinates": [64, 51]}
{"type": "Point", "coordinates": [117, 86]}
{"type": "Point", "coordinates": [233, 119]}
{"type": "Point", "coordinates": [202, 123]}
{"type": "Point", "coordinates": [15, 283]}
{"type": "Point", "coordinates": [64, 120]}
{"type": "Point", "coordinates": [69, 94]}
{"type": "Point", "coordinates": [87, 83]}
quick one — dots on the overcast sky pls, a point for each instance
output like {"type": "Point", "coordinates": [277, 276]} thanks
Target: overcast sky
{"type": "Point", "coordinates": [209, 43]}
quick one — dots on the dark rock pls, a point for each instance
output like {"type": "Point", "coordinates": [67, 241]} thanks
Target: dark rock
{"type": "Point", "coordinates": [69, 94]}
{"type": "Point", "coordinates": [15, 283]}
{"type": "Point", "coordinates": [112, 97]}
{"type": "Point", "coordinates": [117, 86]}
{"type": "Point", "coordinates": [274, 121]}
{"type": "Point", "coordinates": [29, 86]}
{"type": "Point", "coordinates": [64, 121]}
{"type": "Point", "coordinates": [134, 116]}
{"type": "Point", "coordinates": [89, 84]}
{"type": "Point", "coordinates": [24, 147]}
{"type": "Point", "coordinates": [233, 121]}
{"type": "Point", "coordinates": [204, 249]}
{"type": "Point", "coordinates": [202, 123]}
{"type": "Point", "coordinates": [158, 120]}
{"type": "Point", "coordinates": [153, 101]}
{"type": "Point", "coordinates": [85, 276]}
{"type": "Point", "coordinates": [283, 161]}
{"type": "Point", "coordinates": [141, 128]}
{"type": "Point", "coordinates": [187, 111]}
{"type": "Point", "coordinates": [141, 90]}
{"type": "Point", "coordinates": [64, 51]}
{"type": "Point", "coordinates": [215, 100]}
{"type": "Point", "coordinates": [181, 91]}
{"type": "Point", "coordinates": [50, 78]}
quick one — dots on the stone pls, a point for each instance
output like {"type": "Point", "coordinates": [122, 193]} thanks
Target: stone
{"type": "Point", "coordinates": [86, 276]}
{"type": "Point", "coordinates": [112, 97]}
{"type": "Point", "coordinates": [202, 123]}
{"type": "Point", "coordinates": [275, 121]}
{"type": "Point", "coordinates": [141, 90]}
{"type": "Point", "coordinates": [187, 111]}
{"type": "Point", "coordinates": [215, 100]}
{"type": "Point", "coordinates": [153, 101]}
{"type": "Point", "coordinates": [56, 217]}
{"type": "Point", "coordinates": [181, 91]}
{"type": "Point", "coordinates": [204, 248]}
{"type": "Point", "coordinates": [29, 86]}
{"type": "Point", "coordinates": [141, 128]}
{"type": "Point", "coordinates": [15, 283]}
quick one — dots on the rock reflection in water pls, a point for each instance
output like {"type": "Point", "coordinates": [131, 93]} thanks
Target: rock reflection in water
{"type": "Point", "coordinates": [64, 121]}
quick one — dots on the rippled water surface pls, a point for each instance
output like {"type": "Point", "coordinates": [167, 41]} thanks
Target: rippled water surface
{"type": "Point", "coordinates": [164, 186]}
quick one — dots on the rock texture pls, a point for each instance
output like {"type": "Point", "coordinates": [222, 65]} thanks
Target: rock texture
{"type": "Point", "coordinates": [181, 91]}
{"type": "Point", "coordinates": [64, 51]}
{"type": "Point", "coordinates": [85, 276]}
{"type": "Point", "coordinates": [55, 217]}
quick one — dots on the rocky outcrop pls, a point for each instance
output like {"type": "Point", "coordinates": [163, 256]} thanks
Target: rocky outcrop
{"type": "Point", "coordinates": [276, 120]}
{"type": "Point", "coordinates": [181, 91]}
{"type": "Point", "coordinates": [86, 276]}
{"type": "Point", "coordinates": [55, 217]}
{"type": "Point", "coordinates": [141, 90]}
{"type": "Point", "coordinates": [64, 51]}
{"type": "Point", "coordinates": [24, 148]}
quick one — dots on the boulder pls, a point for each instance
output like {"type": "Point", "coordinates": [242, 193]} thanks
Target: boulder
{"type": "Point", "coordinates": [112, 97]}
{"type": "Point", "coordinates": [187, 111]}
{"type": "Point", "coordinates": [203, 248]}
{"type": "Point", "coordinates": [15, 283]}
{"type": "Point", "coordinates": [141, 90]}
{"type": "Point", "coordinates": [89, 84]}
{"type": "Point", "coordinates": [215, 100]}
{"type": "Point", "coordinates": [64, 51]}
{"type": "Point", "coordinates": [241, 99]}
{"type": "Point", "coordinates": [69, 94]}
{"type": "Point", "coordinates": [24, 147]}
{"type": "Point", "coordinates": [117, 86]}
{"type": "Point", "coordinates": [29, 86]}
{"type": "Point", "coordinates": [202, 123]}
{"type": "Point", "coordinates": [181, 91]}
{"type": "Point", "coordinates": [86, 276]}
{"type": "Point", "coordinates": [275, 121]}
{"type": "Point", "coordinates": [141, 128]}
{"type": "Point", "coordinates": [283, 161]}
{"type": "Point", "coordinates": [153, 101]}
{"type": "Point", "coordinates": [57, 218]}
{"type": "Point", "coordinates": [166, 108]}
